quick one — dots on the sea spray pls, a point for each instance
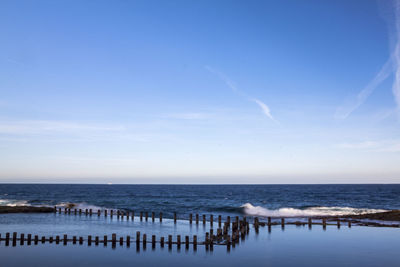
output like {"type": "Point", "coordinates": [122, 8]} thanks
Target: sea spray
{"type": "Point", "coordinates": [251, 210]}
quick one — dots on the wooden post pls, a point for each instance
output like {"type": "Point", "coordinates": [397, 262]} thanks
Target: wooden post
{"type": "Point", "coordinates": [105, 213]}
{"type": "Point", "coordinates": [96, 240]}
{"type": "Point", "coordinates": [14, 236]}
{"type": "Point", "coordinates": [153, 241]}
{"type": "Point", "coordinates": [128, 240]}
{"type": "Point", "coordinates": [207, 241]}
{"type": "Point", "coordinates": [57, 239]}
{"type": "Point", "coordinates": [80, 240]}
{"type": "Point", "coordinates": [324, 223]}
{"type": "Point", "coordinates": [204, 219]}
{"type": "Point", "coordinates": [178, 241]}
{"type": "Point", "coordinates": [51, 239]}
{"type": "Point", "coordinates": [133, 215]}
{"type": "Point", "coordinates": [114, 239]}
{"type": "Point", "coordinates": [194, 242]}
{"type": "Point", "coordinates": [309, 223]}
{"type": "Point", "coordinates": [146, 216]}
{"type": "Point", "coordinates": [74, 239]}
{"type": "Point", "coordinates": [174, 217]}
{"type": "Point", "coordinates": [98, 213]}
{"type": "Point", "coordinates": [105, 241]}
{"type": "Point", "coordinates": [169, 240]}
{"type": "Point", "coordinates": [190, 218]}
{"type": "Point", "coordinates": [69, 211]}
{"type": "Point", "coordinates": [121, 241]}
{"type": "Point", "coordinates": [118, 214]}
{"type": "Point", "coordinates": [197, 218]}
{"type": "Point", "coordinates": [283, 221]}
{"type": "Point", "coordinates": [29, 239]}
{"type": "Point", "coordinates": [144, 240]}
{"type": "Point", "coordinates": [228, 220]}
{"type": "Point", "coordinates": [162, 241]}
{"type": "Point", "coordinates": [80, 211]}
{"type": "Point", "coordinates": [219, 220]}
{"type": "Point", "coordinates": [211, 220]}
{"type": "Point", "coordinates": [349, 223]}
{"type": "Point", "coordinates": [141, 216]}
{"type": "Point", "coordinates": [111, 213]}
{"type": "Point", "coordinates": [338, 223]}
{"type": "Point", "coordinates": [65, 239]}
{"type": "Point", "coordinates": [65, 210]}
{"type": "Point", "coordinates": [75, 211]}
{"type": "Point", "coordinates": [22, 239]}
{"type": "Point", "coordinates": [89, 240]}
{"type": "Point", "coordinates": [138, 237]}
{"type": "Point", "coordinates": [187, 242]}
{"type": "Point", "coordinates": [152, 217]}
{"type": "Point", "coordinates": [160, 216]}
{"type": "Point", "coordinates": [86, 211]}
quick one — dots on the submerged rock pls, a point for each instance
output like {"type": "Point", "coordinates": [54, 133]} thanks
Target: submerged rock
{"type": "Point", "coordinates": [25, 209]}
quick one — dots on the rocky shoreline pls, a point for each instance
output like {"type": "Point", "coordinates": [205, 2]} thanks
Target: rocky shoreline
{"type": "Point", "coordinates": [25, 209]}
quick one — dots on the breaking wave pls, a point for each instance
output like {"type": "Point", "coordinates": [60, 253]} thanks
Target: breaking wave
{"type": "Point", "coordinates": [251, 210]}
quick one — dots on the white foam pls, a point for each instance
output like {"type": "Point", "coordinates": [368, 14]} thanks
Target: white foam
{"type": "Point", "coordinates": [13, 202]}
{"type": "Point", "coordinates": [249, 209]}
{"type": "Point", "coordinates": [82, 205]}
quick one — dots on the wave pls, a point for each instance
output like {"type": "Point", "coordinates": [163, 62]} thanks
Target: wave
{"type": "Point", "coordinates": [13, 202]}
{"type": "Point", "coordinates": [251, 210]}
{"type": "Point", "coordinates": [35, 203]}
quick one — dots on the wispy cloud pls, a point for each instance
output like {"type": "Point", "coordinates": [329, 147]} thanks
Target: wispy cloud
{"type": "Point", "coordinates": [392, 66]}
{"type": "Point", "coordinates": [344, 111]}
{"type": "Point", "coordinates": [265, 109]}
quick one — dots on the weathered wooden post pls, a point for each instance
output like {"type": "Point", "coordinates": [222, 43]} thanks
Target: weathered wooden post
{"type": "Point", "coordinates": [137, 237]}
{"type": "Point", "coordinates": [86, 211]}
{"type": "Point", "coordinates": [228, 220]}
{"type": "Point", "coordinates": [194, 242]}
{"type": "Point", "coordinates": [80, 211]}
{"type": "Point", "coordinates": [113, 239]}
{"type": "Point", "coordinates": [105, 241]}
{"type": "Point", "coordinates": [204, 219]}
{"type": "Point", "coordinates": [211, 220]}
{"type": "Point", "coordinates": [219, 221]}
{"type": "Point", "coordinates": [22, 239]}
{"type": "Point", "coordinates": [152, 216]}
{"type": "Point", "coordinates": [128, 240]}
{"type": "Point", "coordinates": [324, 223]}
{"type": "Point", "coordinates": [153, 241]}
{"type": "Point", "coordinates": [146, 216]}
{"type": "Point", "coordinates": [309, 223]}
{"type": "Point", "coordinates": [96, 240]}
{"type": "Point", "coordinates": [121, 241]}
{"type": "Point", "coordinates": [160, 216]}
{"type": "Point", "coordinates": [144, 241]}
{"type": "Point", "coordinates": [197, 218]}
{"type": "Point", "coordinates": [36, 239]}
{"type": "Point", "coordinates": [118, 214]}
{"type": "Point", "coordinates": [105, 213]}
{"type": "Point", "coordinates": [89, 240]}
{"type": "Point", "coordinates": [74, 239]}
{"type": "Point", "coordinates": [141, 216]}
{"type": "Point", "coordinates": [133, 215]}
{"type": "Point", "coordinates": [190, 218]}
{"type": "Point", "coordinates": [65, 210]}
{"type": "Point", "coordinates": [178, 241]}
{"type": "Point", "coordinates": [75, 211]}
{"type": "Point", "coordinates": [283, 222]}
{"type": "Point", "coordinates": [51, 239]}
{"type": "Point", "coordinates": [65, 239]}
{"type": "Point", "coordinates": [14, 236]}
{"type": "Point", "coordinates": [98, 213]}
{"type": "Point", "coordinates": [111, 213]}
{"type": "Point", "coordinates": [29, 239]}
{"type": "Point", "coordinates": [80, 240]}
{"type": "Point", "coordinates": [69, 211]}
{"type": "Point", "coordinates": [174, 217]}
{"type": "Point", "coordinates": [162, 241]}
{"type": "Point", "coordinates": [338, 223]}
{"type": "Point", "coordinates": [169, 241]}
{"type": "Point", "coordinates": [349, 223]}
{"type": "Point", "coordinates": [187, 242]}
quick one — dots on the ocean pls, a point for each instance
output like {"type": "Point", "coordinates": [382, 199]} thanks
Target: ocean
{"type": "Point", "coordinates": [259, 200]}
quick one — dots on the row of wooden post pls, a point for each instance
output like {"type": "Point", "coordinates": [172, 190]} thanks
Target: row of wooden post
{"type": "Point", "coordinates": [145, 215]}
{"type": "Point", "coordinates": [210, 240]}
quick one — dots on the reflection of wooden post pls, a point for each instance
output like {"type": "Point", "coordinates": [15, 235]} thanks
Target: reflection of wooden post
{"type": "Point", "coordinates": [36, 238]}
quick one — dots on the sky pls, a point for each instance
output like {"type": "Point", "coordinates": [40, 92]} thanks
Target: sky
{"type": "Point", "coordinates": [285, 91]}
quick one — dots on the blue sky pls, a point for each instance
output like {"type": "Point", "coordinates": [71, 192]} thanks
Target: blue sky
{"type": "Point", "coordinates": [199, 91]}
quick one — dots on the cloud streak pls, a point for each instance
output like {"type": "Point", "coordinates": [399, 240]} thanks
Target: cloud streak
{"type": "Point", "coordinates": [392, 66]}
{"type": "Point", "coordinates": [265, 109]}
